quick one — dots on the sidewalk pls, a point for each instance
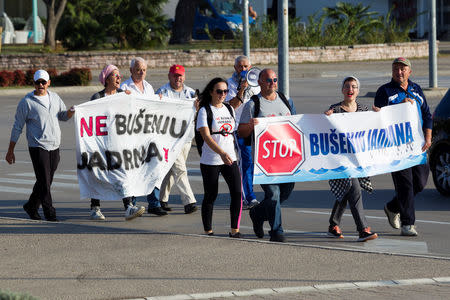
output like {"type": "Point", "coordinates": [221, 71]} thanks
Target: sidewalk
{"type": "Point", "coordinates": [121, 260]}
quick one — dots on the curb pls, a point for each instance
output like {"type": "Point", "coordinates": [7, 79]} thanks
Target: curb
{"type": "Point", "coordinates": [429, 92]}
{"type": "Point", "coordinates": [435, 92]}
{"type": "Point", "coordinates": [304, 289]}
{"type": "Point", "coordinates": [58, 89]}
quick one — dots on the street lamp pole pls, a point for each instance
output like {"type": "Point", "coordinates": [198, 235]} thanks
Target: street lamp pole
{"type": "Point", "coordinates": [432, 55]}
{"type": "Point", "coordinates": [246, 46]}
{"type": "Point", "coordinates": [35, 37]}
{"type": "Point", "coordinates": [283, 47]}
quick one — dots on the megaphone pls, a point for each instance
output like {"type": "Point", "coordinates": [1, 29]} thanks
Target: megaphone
{"type": "Point", "coordinates": [251, 76]}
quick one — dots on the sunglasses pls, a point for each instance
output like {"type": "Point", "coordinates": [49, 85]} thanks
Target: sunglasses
{"type": "Point", "coordinates": [220, 92]}
{"type": "Point", "coordinates": [270, 80]}
{"type": "Point", "coordinates": [116, 75]}
{"type": "Point", "coordinates": [39, 82]}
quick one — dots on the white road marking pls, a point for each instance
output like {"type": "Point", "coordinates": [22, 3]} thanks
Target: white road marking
{"type": "Point", "coordinates": [379, 245]}
{"type": "Point", "coordinates": [57, 176]}
{"type": "Point", "coordinates": [7, 189]}
{"type": "Point", "coordinates": [370, 217]}
{"type": "Point", "coordinates": [31, 182]}
{"type": "Point", "coordinates": [17, 162]}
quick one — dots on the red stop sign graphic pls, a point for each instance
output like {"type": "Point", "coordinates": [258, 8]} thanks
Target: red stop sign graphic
{"type": "Point", "coordinates": [279, 149]}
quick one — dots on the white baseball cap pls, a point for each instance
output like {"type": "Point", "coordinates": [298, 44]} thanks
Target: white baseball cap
{"type": "Point", "coordinates": [41, 74]}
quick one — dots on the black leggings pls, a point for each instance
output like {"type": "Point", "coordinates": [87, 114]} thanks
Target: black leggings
{"type": "Point", "coordinates": [232, 177]}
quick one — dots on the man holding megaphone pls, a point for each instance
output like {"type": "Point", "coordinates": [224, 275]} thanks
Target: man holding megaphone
{"type": "Point", "coordinates": [240, 92]}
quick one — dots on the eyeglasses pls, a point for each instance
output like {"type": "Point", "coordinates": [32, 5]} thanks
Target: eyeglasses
{"type": "Point", "coordinates": [39, 82]}
{"type": "Point", "coordinates": [117, 76]}
{"type": "Point", "coordinates": [220, 92]}
{"type": "Point", "coordinates": [270, 80]}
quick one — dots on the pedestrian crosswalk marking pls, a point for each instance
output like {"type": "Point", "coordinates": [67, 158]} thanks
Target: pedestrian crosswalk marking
{"type": "Point", "coordinates": [194, 175]}
{"type": "Point", "coordinates": [31, 182]}
{"type": "Point", "coordinates": [57, 176]}
{"type": "Point", "coordinates": [371, 217]}
{"type": "Point", "coordinates": [7, 189]}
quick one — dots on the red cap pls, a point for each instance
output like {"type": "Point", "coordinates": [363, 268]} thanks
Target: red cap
{"type": "Point", "coordinates": [177, 69]}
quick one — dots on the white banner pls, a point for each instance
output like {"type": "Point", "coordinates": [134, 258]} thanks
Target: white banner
{"type": "Point", "coordinates": [314, 147]}
{"type": "Point", "coordinates": [126, 143]}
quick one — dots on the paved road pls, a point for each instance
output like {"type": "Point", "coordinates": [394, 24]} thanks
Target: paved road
{"type": "Point", "coordinates": [151, 256]}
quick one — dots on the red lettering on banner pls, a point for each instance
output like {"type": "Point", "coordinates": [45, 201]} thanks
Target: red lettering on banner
{"type": "Point", "coordinates": [87, 128]}
{"type": "Point", "coordinates": [99, 125]}
{"type": "Point", "coordinates": [84, 127]}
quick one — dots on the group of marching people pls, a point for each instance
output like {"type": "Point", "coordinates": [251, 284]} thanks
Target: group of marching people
{"type": "Point", "coordinates": [227, 112]}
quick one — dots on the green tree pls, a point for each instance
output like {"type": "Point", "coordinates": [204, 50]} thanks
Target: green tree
{"type": "Point", "coordinates": [79, 27]}
{"type": "Point", "coordinates": [138, 23]}
{"type": "Point", "coordinates": [130, 23]}
{"type": "Point", "coordinates": [349, 22]}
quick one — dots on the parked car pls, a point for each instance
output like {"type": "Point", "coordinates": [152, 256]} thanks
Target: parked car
{"type": "Point", "coordinates": [440, 148]}
{"type": "Point", "coordinates": [222, 18]}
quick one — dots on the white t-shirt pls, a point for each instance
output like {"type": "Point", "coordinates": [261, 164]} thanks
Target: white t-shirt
{"type": "Point", "coordinates": [221, 120]}
{"type": "Point", "coordinates": [45, 100]}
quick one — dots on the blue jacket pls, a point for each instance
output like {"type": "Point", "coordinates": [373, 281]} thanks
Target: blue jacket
{"type": "Point", "coordinates": [391, 93]}
{"type": "Point", "coordinates": [42, 122]}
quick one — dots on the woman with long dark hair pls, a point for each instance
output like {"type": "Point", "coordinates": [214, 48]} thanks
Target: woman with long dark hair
{"type": "Point", "coordinates": [216, 124]}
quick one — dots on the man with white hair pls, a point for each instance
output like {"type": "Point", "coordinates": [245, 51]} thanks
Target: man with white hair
{"type": "Point", "coordinates": [239, 94]}
{"type": "Point", "coordinates": [137, 83]}
{"type": "Point", "coordinates": [139, 86]}
{"type": "Point", "coordinates": [40, 110]}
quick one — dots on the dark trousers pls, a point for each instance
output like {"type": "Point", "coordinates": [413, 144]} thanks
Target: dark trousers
{"type": "Point", "coordinates": [44, 165]}
{"type": "Point", "coordinates": [354, 200]}
{"type": "Point", "coordinates": [270, 207]}
{"type": "Point", "coordinates": [408, 183]}
{"type": "Point", "coordinates": [210, 175]}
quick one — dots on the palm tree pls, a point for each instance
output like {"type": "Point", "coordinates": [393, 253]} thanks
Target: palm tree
{"type": "Point", "coordinates": [352, 21]}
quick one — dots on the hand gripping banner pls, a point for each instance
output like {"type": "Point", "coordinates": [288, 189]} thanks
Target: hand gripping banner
{"type": "Point", "coordinates": [126, 143]}
{"type": "Point", "coordinates": [314, 147]}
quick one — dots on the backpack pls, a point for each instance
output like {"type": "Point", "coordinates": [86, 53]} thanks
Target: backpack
{"type": "Point", "coordinates": [255, 99]}
{"type": "Point", "coordinates": [209, 117]}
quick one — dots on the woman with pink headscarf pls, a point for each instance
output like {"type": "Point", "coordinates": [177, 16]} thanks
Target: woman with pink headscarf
{"type": "Point", "coordinates": [110, 78]}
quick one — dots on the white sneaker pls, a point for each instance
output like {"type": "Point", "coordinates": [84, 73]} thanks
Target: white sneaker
{"type": "Point", "coordinates": [253, 203]}
{"type": "Point", "coordinates": [96, 214]}
{"type": "Point", "coordinates": [409, 230]}
{"type": "Point", "coordinates": [393, 218]}
{"type": "Point", "coordinates": [134, 212]}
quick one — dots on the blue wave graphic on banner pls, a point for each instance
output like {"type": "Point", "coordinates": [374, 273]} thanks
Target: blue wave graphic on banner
{"type": "Point", "coordinates": [342, 172]}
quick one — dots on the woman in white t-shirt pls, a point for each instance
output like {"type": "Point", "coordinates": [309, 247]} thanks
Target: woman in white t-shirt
{"type": "Point", "coordinates": [218, 153]}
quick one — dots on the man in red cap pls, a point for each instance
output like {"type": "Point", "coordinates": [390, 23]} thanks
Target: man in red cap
{"type": "Point", "coordinates": [176, 89]}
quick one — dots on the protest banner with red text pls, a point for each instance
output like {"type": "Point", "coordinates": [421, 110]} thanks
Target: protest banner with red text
{"type": "Point", "coordinates": [127, 143]}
